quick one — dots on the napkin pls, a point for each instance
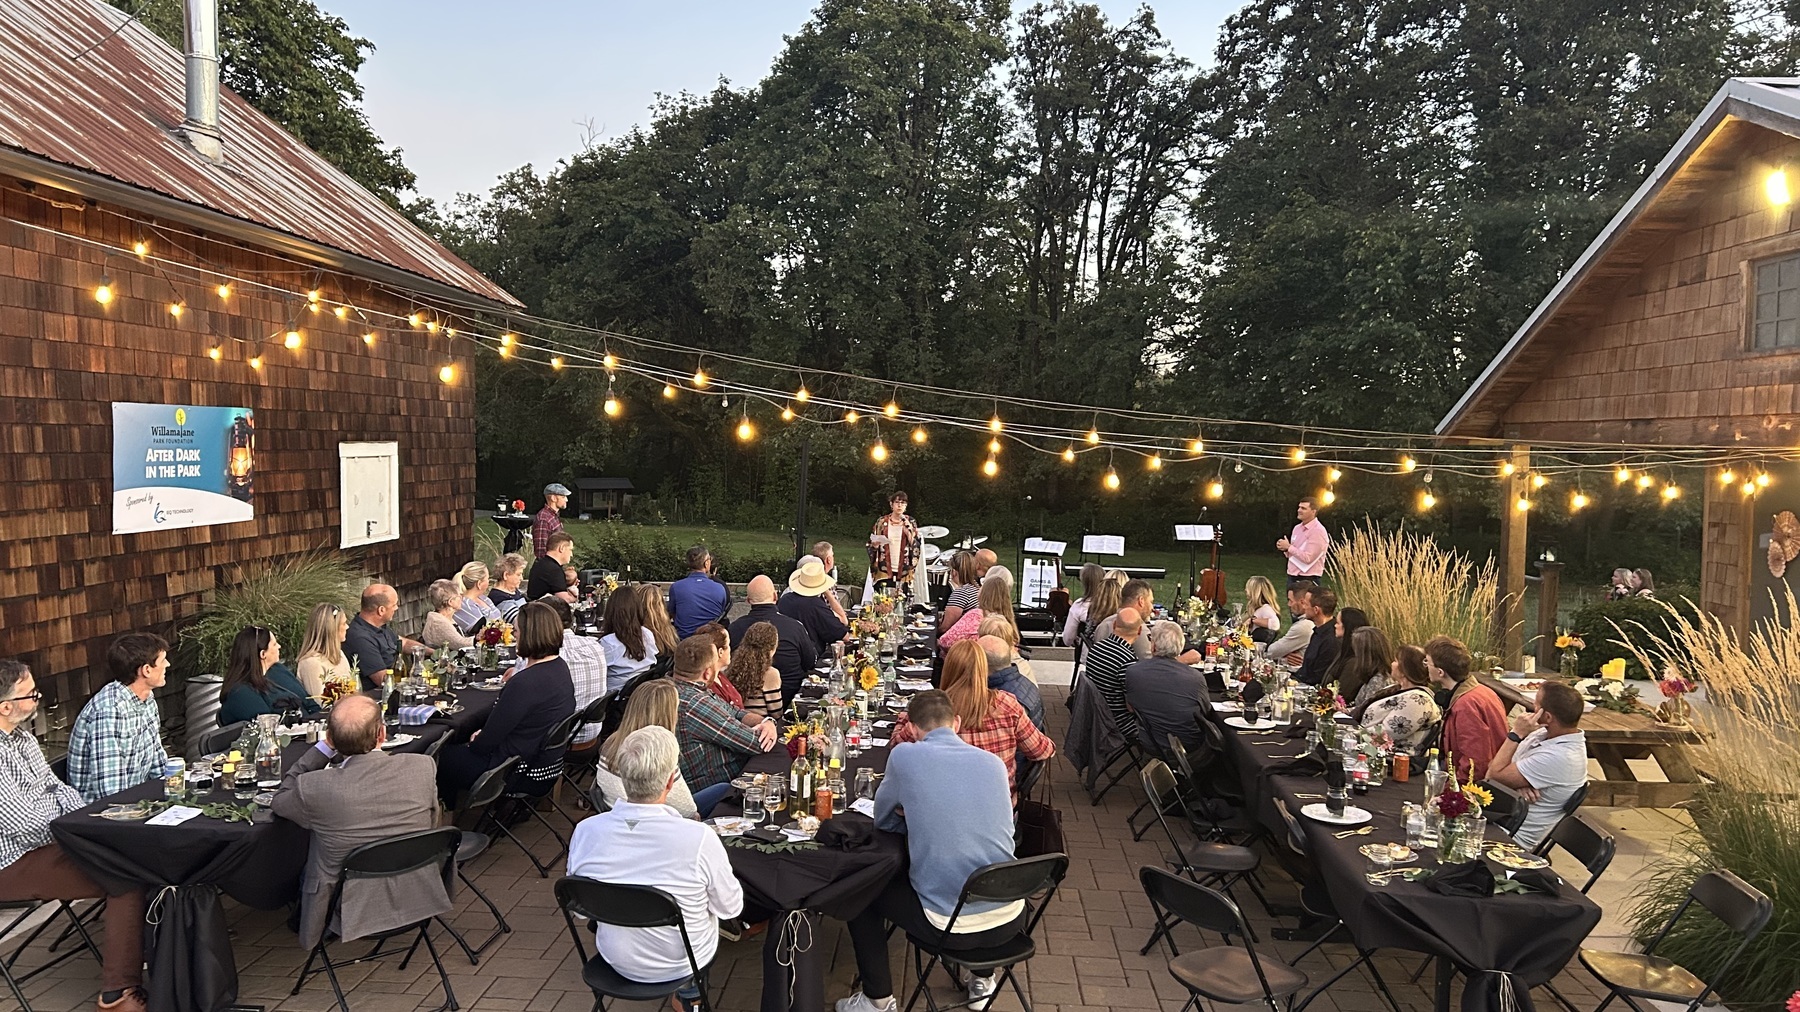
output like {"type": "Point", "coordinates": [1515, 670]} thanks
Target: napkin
{"type": "Point", "coordinates": [848, 831]}
{"type": "Point", "coordinates": [1253, 691]}
{"type": "Point", "coordinates": [1472, 878]}
{"type": "Point", "coordinates": [1305, 766]}
{"type": "Point", "coordinates": [417, 714]}
{"type": "Point", "coordinates": [1539, 880]}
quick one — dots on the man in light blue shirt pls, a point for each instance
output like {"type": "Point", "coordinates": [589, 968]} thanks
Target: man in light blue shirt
{"type": "Point", "coordinates": [953, 802]}
{"type": "Point", "coordinates": [697, 598]}
{"type": "Point", "coordinates": [117, 740]}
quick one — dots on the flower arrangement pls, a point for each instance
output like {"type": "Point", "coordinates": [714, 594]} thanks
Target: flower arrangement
{"type": "Point", "coordinates": [1459, 804]}
{"type": "Point", "coordinates": [1675, 708]}
{"type": "Point", "coordinates": [1571, 646]}
{"type": "Point", "coordinates": [1613, 694]}
{"type": "Point", "coordinates": [1793, 1002]}
{"type": "Point", "coordinates": [868, 677]}
{"type": "Point", "coordinates": [882, 604]}
{"type": "Point", "coordinates": [497, 634]}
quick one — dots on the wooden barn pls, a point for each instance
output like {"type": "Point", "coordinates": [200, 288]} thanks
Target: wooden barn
{"type": "Point", "coordinates": [1679, 326]}
{"type": "Point", "coordinates": [168, 253]}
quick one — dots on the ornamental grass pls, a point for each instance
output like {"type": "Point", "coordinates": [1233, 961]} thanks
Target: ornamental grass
{"type": "Point", "coordinates": [1413, 589]}
{"type": "Point", "coordinates": [1747, 817]}
{"type": "Point", "coordinates": [278, 597]}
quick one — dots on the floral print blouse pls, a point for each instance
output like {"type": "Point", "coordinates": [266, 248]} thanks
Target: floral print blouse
{"type": "Point", "coordinates": [1407, 717]}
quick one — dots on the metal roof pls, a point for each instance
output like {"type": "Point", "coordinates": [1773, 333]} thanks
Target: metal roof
{"type": "Point", "coordinates": [85, 88]}
{"type": "Point", "coordinates": [604, 485]}
{"type": "Point", "coordinates": [1771, 103]}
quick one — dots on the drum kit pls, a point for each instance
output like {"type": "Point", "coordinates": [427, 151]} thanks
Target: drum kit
{"type": "Point", "coordinates": [937, 560]}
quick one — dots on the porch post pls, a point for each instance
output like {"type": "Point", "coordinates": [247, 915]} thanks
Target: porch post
{"type": "Point", "coordinates": [1509, 606]}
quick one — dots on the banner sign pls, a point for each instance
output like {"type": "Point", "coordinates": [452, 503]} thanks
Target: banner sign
{"type": "Point", "coordinates": [181, 466]}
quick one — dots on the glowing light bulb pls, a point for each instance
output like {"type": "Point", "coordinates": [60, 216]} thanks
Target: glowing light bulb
{"type": "Point", "coordinates": [1298, 455]}
{"type": "Point", "coordinates": [919, 436]}
{"type": "Point", "coordinates": [556, 362]}
{"type": "Point", "coordinates": [1068, 455]}
{"type": "Point", "coordinates": [668, 392]}
{"type": "Point", "coordinates": [312, 296]}
{"type": "Point", "coordinates": [1776, 186]}
{"type": "Point", "coordinates": [1749, 488]}
{"type": "Point", "coordinates": [993, 446]}
{"type": "Point", "coordinates": [1407, 464]}
{"type": "Point", "coordinates": [1578, 501]}
{"type": "Point", "coordinates": [224, 291]}
{"type": "Point", "coordinates": [1111, 481]}
{"type": "Point", "coordinates": [1507, 468]}
{"type": "Point", "coordinates": [1327, 497]}
{"type": "Point", "coordinates": [612, 407]}
{"type": "Point", "coordinates": [1333, 475]}
{"type": "Point", "coordinates": [292, 340]}
{"type": "Point", "coordinates": [609, 362]}
{"type": "Point", "coordinates": [103, 293]}
{"type": "Point", "coordinates": [1522, 504]}
{"type": "Point", "coordinates": [745, 431]}
{"type": "Point", "coordinates": [1762, 479]}
{"type": "Point", "coordinates": [851, 417]}
{"type": "Point", "coordinates": [802, 394]}
{"type": "Point", "coordinates": [413, 319]}
{"type": "Point", "coordinates": [369, 339]}
{"type": "Point", "coordinates": [447, 373]}
{"type": "Point", "coordinates": [1215, 490]}
{"type": "Point", "coordinates": [341, 312]}
{"type": "Point", "coordinates": [1427, 500]}
{"type": "Point", "coordinates": [891, 410]}
{"type": "Point", "coordinates": [1644, 481]}
{"type": "Point", "coordinates": [1154, 463]}
{"type": "Point", "coordinates": [140, 247]}
{"type": "Point", "coordinates": [787, 414]}
{"type": "Point", "coordinates": [991, 468]}
{"type": "Point", "coordinates": [1093, 436]}
{"type": "Point", "coordinates": [700, 379]}
{"type": "Point", "coordinates": [1671, 491]}
{"type": "Point", "coordinates": [994, 424]}
{"type": "Point", "coordinates": [1727, 476]}
{"type": "Point", "coordinates": [1197, 447]}
{"type": "Point", "coordinates": [312, 307]}
{"type": "Point", "coordinates": [1539, 481]}
{"type": "Point", "coordinates": [215, 353]}
{"type": "Point", "coordinates": [256, 362]}
{"type": "Point", "coordinates": [431, 326]}
{"type": "Point", "coordinates": [1622, 475]}
{"type": "Point", "coordinates": [177, 308]}
{"type": "Point", "coordinates": [878, 452]}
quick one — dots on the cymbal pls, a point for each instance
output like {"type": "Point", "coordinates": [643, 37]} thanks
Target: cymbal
{"type": "Point", "coordinates": [937, 567]}
{"type": "Point", "coordinates": [931, 552]}
{"type": "Point", "coordinates": [968, 543]}
{"type": "Point", "coordinates": [934, 531]}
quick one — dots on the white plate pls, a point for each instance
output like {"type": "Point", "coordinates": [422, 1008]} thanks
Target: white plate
{"type": "Point", "coordinates": [398, 740]}
{"type": "Point", "coordinates": [733, 825]}
{"type": "Point", "coordinates": [1246, 725]}
{"type": "Point", "coordinates": [1353, 816]}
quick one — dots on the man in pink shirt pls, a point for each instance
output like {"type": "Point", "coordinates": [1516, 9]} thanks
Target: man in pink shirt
{"type": "Point", "coordinates": [1306, 549]}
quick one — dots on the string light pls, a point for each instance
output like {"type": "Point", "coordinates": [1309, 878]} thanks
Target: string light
{"type": "Point", "coordinates": [994, 424]}
{"type": "Point", "coordinates": [891, 410]}
{"type": "Point", "coordinates": [341, 312]}
{"type": "Point", "coordinates": [1093, 437]}
{"type": "Point", "coordinates": [1427, 500]}
{"type": "Point", "coordinates": [177, 308]}
{"type": "Point", "coordinates": [1215, 489]}
{"type": "Point", "coordinates": [1622, 475]}
{"type": "Point", "coordinates": [556, 362]}
{"type": "Point", "coordinates": [292, 341]}
{"type": "Point", "coordinates": [313, 295]}
{"type": "Point", "coordinates": [609, 362]}
{"type": "Point", "coordinates": [1522, 504]}
{"type": "Point", "coordinates": [224, 291]}
{"type": "Point", "coordinates": [787, 413]}
{"type": "Point", "coordinates": [140, 248]}
{"type": "Point", "coordinates": [215, 353]}
{"type": "Point", "coordinates": [851, 417]}
{"type": "Point", "coordinates": [1578, 501]}
{"type": "Point", "coordinates": [611, 405]}
{"type": "Point", "coordinates": [1068, 454]}
{"type": "Point", "coordinates": [668, 391]}
{"type": "Point", "coordinates": [1671, 491]}
{"type": "Point", "coordinates": [369, 339]}
{"type": "Point", "coordinates": [1749, 488]}
{"type": "Point", "coordinates": [991, 468]}
{"type": "Point", "coordinates": [1333, 475]}
{"type": "Point", "coordinates": [431, 326]}
{"type": "Point", "coordinates": [1155, 462]}
{"type": "Point", "coordinates": [1762, 479]}
{"type": "Point", "coordinates": [447, 373]}
{"type": "Point", "coordinates": [1507, 468]}
{"type": "Point", "coordinates": [1776, 187]}
{"type": "Point", "coordinates": [1727, 477]}
{"type": "Point", "coordinates": [700, 379]}
{"type": "Point", "coordinates": [1427, 478]}
{"type": "Point", "coordinates": [1197, 447]}
{"type": "Point", "coordinates": [802, 394]}
{"type": "Point", "coordinates": [1327, 497]}
{"type": "Point", "coordinates": [414, 319]}
{"type": "Point", "coordinates": [1644, 481]}
{"type": "Point", "coordinates": [1539, 481]}
{"type": "Point", "coordinates": [1407, 464]}
{"type": "Point", "coordinates": [993, 446]}
{"type": "Point", "coordinates": [745, 431]}
{"type": "Point", "coordinates": [103, 292]}
{"type": "Point", "coordinates": [1111, 481]}
{"type": "Point", "coordinates": [1298, 455]}
{"type": "Point", "coordinates": [878, 453]}
{"type": "Point", "coordinates": [256, 362]}
{"type": "Point", "coordinates": [919, 436]}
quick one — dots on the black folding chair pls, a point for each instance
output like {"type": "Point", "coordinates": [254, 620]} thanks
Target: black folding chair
{"type": "Point", "coordinates": [1208, 861]}
{"type": "Point", "coordinates": [16, 981]}
{"type": "Point", "coordinates": [1593, 847]}
{"type": "Point", "coordinates": [395, 856]}
{"type": "Point", "coordinates": [1630, 975]}
{"type": "Point", "coordinates": [1220, 973]}
{"type": "Point", "coordinates": [582, 762]}
{"type": "Point", "coordinates": [1032, 880]}
{"type": "Point", "coordinates": [483, 795]}
{"type": "Point", "coordinates": [1315, 900]}
{"type": "Point", "coordinates": [220, 738]}
{"type": "Point", "coordinates": [626, 906]}
{"type": "Point", "coordinates": [527, 786]}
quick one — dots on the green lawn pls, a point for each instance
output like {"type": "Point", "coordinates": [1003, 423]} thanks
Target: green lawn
{"type": "Point", "coordinates": [770, 544]}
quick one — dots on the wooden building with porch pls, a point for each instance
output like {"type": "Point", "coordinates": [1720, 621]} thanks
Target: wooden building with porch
{"type": "Point", "coordinates": [1678, 326]}
{"type": "Point", "coordinates": [160, 244]}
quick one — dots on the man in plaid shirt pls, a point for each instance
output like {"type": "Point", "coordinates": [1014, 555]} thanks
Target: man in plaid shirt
{"type": "Point", "coordinates": [33, 867]}
{"type": "Point", "coordinates": [716, 737]}
{"type": "Point", "coordinates": [548, 521]}
{"type": "Point", "coordinates": [117, 741]}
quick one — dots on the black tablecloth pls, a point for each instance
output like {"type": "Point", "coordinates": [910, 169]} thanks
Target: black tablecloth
{"type": "Point", "coordinates": [1530, 937]}
{"type": "Point", "coordinates": [185, 868]}
{"type": "Point", "coordinates": [799, 884]}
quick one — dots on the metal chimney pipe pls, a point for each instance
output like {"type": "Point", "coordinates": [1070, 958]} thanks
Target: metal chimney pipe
{"type": "Point", "coordinates": [201, 36]}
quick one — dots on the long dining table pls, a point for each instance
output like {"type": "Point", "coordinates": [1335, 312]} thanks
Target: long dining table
{"type": "Point", "coordinates": [1503, 944]}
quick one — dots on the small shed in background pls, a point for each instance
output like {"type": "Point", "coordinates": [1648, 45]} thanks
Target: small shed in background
{"type": "Point", "coordinates": [602, 496]}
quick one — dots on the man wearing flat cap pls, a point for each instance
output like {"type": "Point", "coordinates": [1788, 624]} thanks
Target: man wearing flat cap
{"type": "Point", "coordinates": [547, 522]}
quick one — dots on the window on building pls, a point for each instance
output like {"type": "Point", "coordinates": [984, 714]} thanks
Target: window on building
{"type": "Point", "coordinates": [1777, 323]}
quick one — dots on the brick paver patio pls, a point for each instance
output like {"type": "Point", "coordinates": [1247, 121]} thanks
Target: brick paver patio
{"type": "Point", "coordinates": [1087, 958]}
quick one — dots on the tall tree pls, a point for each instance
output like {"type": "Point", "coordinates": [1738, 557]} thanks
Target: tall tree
{"type": "Point", "coordinates": [297, 65]}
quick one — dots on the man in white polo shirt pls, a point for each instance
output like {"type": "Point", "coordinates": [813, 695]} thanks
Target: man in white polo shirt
{"type": "Point", "coordinates": [1544, 758]}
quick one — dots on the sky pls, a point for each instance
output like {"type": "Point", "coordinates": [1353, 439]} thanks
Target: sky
{"type": "Point", "coordinates": [471, 91]}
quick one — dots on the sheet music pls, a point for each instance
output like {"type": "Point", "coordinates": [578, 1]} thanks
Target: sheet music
{"type": "Point", "coordinates": [1194, 532]}
{"type": "Point", "coordinates": [1103, 544]}
{"type": "Point", "coordinates": [1043, 547]}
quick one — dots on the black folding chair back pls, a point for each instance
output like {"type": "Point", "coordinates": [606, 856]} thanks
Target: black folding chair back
{"type": "Point", "coordinates": [1593, 846]}
{"type": "Point", "coordinates": [531, 784]}
{"type": "Point", "coordinates": [1030, 772]}
{"type": "Point", "coordinates": [1220, 973]}
{"type": "Point", "coordinates": [26, 908]}
{"type": "Point", "coordinates": [625, 906]}
{"type": "Point", "coordinates": [394, 856]}
{"type": "Point", "coordinates": [219, 738]}
{"type": "Point", "coordinates": [1031, 880]}
{"type": "Point", "coordinates": [490, 785]}
{"type": "Point", "coordinates": [1739, 905]}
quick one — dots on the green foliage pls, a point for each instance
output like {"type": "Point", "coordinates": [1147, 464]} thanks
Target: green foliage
{"type": "Point", "coordinates": [297, 65]}
{"type": "Point", "coordinates": [1413, 589]}
{"type": "Point", "coordinates": [1600, 622]}
{"type": "Point", "coordinates": [279, 598]}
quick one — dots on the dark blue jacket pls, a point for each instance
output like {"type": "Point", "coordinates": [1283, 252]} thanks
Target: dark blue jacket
{"type": "Point", "coordinates": [1023, 689]}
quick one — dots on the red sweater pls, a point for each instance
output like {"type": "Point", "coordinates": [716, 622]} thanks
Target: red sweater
{"type": "Point", "coordinates": [1473, 730]}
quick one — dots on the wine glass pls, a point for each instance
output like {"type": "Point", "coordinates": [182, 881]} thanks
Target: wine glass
{"type": "Point", "coordinates": [774, 797]}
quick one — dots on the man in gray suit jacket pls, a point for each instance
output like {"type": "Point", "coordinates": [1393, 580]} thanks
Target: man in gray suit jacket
{"type": "Point", "coordinates": [349, 792]}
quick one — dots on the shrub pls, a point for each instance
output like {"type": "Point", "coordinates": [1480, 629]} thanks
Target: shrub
{"type": "Point", "coordinates": [280, 597]}
{"type": "Point", "coordinates": [1599, 623]}
{"type": "Point", "coordinates": [1745, 820]}
{"type": "Point", "coordinates": [1412, 589]}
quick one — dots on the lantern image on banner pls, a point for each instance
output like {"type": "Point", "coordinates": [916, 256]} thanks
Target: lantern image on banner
{"type": "Point", "coordinates": [240, 464]}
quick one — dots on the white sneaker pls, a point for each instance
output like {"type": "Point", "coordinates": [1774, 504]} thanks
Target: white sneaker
{"type": "Point", "coordinates": [860, 1002]}
{"type": "Point", "coordinates": [981, 992]}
